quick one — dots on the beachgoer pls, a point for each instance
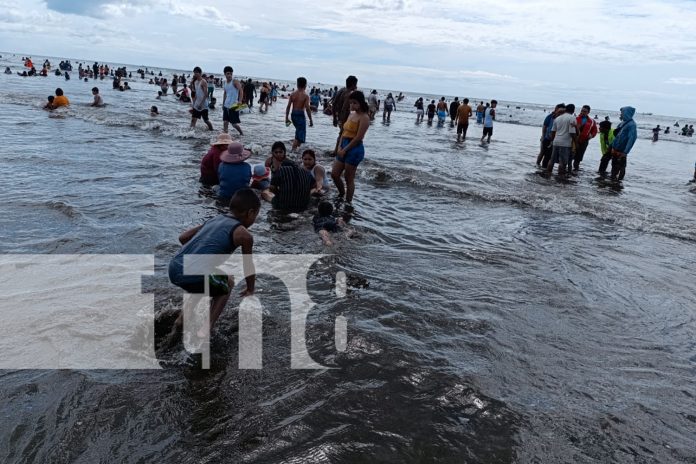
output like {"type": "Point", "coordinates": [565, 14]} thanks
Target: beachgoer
{"type": "Point", "coordinates": [325, 223]}
{"type": "Point", "coordinates": [563, 135]}
{"type": "Point", "coordinates": [278, 155]}
{"type": "Point", "coordinates": [351, 151]}
{"type": "Point", "coordinates": [441, 112]}
{"type": "Point", "coordinates": [249, 93]}
{"type": "Point", "coordinates": [656, 133]}
{"type": "Point", "coordinates": [264, 94]}
{"type": "Point", "coordinates": [462, 119]}
{"type": "Point", "coordinates": [291, 186]}
{"type": "Point", "coordinates": [299, 103]}
{"type": "Point", "coordinates": [154, 111]}
{"type": "Point", "coordinates": [261, 180]}
{"type": "Point", "coordinates": [340, 104]}
{"type": "Point", "coordinates": [479, 113]}
{"type": "Point", "coordinates": [211, 161]}
{"type": "Point", "coordinates": [233, 96]}
{"type": "Point", "coordinates": [419, 110]}
{"type": "Point", "coordinates": [625, 136]}
{"type": "Point", "coordinates": [199, 106]}
{"type": "Point", "coordinates": [454, 105]}
{"type": "Point", "coordinates": [372, 102]}
{"type": "Point", "coordinates": [606, 137]}
{"type": "Point", "coordinates": [98, 100]}
{"type": "Point", "coordinates": [546, 139]}
{"type": "Point", "coordinates": [431, 111]}
{"type": "Point", "coordinates": [219, 236]}
{"type": "Point", "coordinates": [690, 132]}
{"type": "Point", "coordinates": [60, 99]}
{"type": "Point", "coordinates": [49, 104]}
{"type": "Point", "coordinates": [211, 86]}
{"type": "Point", "coordinates": [233, 173]}
{"type": "Point", "coordinates": [317, 171]}
{"type": "Point", "coordinates": [389, 106]}
{"type": "Point", "coordinates": [586, 130]}
{"type": "Point", "coordinates": [488, 118]}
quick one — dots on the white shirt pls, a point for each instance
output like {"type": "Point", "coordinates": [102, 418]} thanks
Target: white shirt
{"type": "Point", "coordinates": [564, 126]}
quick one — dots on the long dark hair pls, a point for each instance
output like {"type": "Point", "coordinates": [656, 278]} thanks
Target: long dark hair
{"type": "Point", "coordinates": [359, 97]}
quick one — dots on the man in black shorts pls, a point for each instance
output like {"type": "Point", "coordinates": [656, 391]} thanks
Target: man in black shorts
{"type": "Point", "coordinates": [200, 100]}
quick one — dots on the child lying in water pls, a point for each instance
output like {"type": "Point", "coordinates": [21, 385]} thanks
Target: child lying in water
{"type": "Point", "coordinates": [325, 223]}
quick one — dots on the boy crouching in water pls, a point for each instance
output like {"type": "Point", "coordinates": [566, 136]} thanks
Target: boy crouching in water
{"type": "Point", "coordinates": [220, 235]}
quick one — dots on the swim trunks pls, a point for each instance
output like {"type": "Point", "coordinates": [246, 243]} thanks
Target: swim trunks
{"type": "Point", "coordinates": [230, 115]}
{"type": "Point", "coordinates": [300, 123]}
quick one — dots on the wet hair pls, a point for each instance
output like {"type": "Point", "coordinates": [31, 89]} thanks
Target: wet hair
{"type": "Point", "coordinates": [51, 98]}
{"type": "Point", "coordinates": [325, 209]}
{"type": "Point", "coordinates": [351, 81]}
{"type": "Point", "coordinates": [310, 153]}
{"type": "Point", "coordinates": [466, 100]}
{"type": "Point", "coordinates": [301, 82]}
{"type": "Point", "coordinates": [197, 70]}
{"type": "Point", "coordinates": [570, 108]}
{"type": "Point", "coordinates": [244, 200]}
{"type": "Point", "coordinates": [153, 109]}
{"type": "Point", "coordinates": [95, 89]}
{"type": "Point", "coordinates": [59, 92]}
{"type": "Point", "coordinates": [359, 97]}
{"type": "Point", "coordinates": [278, 145]}
{"type": "Point", "coordinates": [227, 69]}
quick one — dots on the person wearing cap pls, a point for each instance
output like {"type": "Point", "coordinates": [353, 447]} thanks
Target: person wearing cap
{"type": "Point", "coordinates": [233, 173]}
{"type": "Point", "coordinates": [261, 180]}
{"type": "Point", "coordinates": [211, 161]}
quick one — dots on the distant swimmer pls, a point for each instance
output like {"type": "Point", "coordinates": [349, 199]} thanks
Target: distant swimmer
{"type": "Point", "coordinates": [49, 104]}
{"type": "Point", "coordinates": [389, 106]}
{"type": "Point", "coordinates": [8, 70]}
{"type": "Point", "coordinates": [154, 111]}
{"type": "Point", "coordinates": [479, 113]}
{"type": "Point", "coordinates": [667, 130]}
{"type": "Point", "coordinates": [98, 100]}
{"type": "Point", "coordinates": [656, 133]}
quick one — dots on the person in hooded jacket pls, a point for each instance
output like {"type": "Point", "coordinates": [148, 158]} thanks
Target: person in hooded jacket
{"type": "Point", "coordinates": [625, 136]}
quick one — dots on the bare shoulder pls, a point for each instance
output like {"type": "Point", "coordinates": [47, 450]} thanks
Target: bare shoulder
{"type": "Point", "coordinates": [242, 236]}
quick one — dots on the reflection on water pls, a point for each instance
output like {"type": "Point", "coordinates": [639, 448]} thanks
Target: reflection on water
{"type": "Point", "coordinates": [494, 315]}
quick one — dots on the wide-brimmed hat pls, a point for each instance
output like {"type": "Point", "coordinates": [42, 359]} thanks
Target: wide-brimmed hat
{"type": "Point", "coordinates": [223, 139]}
{"type": "Point", "coordinates": [235, 153]}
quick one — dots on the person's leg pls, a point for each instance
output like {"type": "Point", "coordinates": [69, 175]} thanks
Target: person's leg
{"type": "Point", "coordinates": [193, 122]}
{"type": "Point", "coordinates": [622, 167]}
{"type": "Point", "coordinates": [603, 164]}
{"type": "Point", "coordinates": [389, 116]}
{"type": "Point", "coordinates": [614, 166]}
{"type": "Point", "coordinates": [217, 305]}
{"type": "Point", "coordinates": [238, 128]}
{"type": "Point", "coordinates": [580, 154]}
{"type": "Point", "coordinates": [336, 172]}
{"type": "Point", "coordinates": [206, 120]}
{"type": "Point", "coordinates": [325, 237]}
{"type": "Point", "coordinates": [349, 174]}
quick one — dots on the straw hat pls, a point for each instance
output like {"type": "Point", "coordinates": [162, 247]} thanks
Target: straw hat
{"type": "Point", "coordinates": [223, 139]}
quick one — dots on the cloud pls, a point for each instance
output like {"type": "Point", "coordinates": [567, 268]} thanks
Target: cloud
{"type": "Point", "coordinates": [681, 80]}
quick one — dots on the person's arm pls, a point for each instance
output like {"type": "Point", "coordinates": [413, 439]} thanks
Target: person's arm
{"type": "Point", "coordinates": [224, 97]}
{"type": "Point", "coordinates": [242, 238]}
{"type": "Point", "coordinates": [240, 92]}
{"type": "Point", "coordinates": [308, 109]}
{"type": "Point", "coordinates": [493, 114]}
{"type": "Point", "coordinates": [188, 234]}
{"type": "Point", "coordinates": [319, 174]}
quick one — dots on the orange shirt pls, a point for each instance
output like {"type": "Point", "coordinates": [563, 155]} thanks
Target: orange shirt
{"type": "Point", "coordinates": [463, 113]}
{"type": "Point", "coordinates": [61, 101]}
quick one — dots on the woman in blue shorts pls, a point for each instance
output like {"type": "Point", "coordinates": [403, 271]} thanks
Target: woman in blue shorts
{"type": "Point", "coordinates": [351, 151]}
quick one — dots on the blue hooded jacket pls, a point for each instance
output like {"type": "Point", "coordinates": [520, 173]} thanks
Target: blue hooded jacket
{"type": "Point", "coordinates": [627, 131]}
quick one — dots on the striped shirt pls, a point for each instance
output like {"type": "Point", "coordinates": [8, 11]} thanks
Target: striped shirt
{"type": "Point", "coordinates": [294, 186]}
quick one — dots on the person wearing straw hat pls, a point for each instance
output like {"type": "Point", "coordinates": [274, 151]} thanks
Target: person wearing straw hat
{"type": "Point", "coordinates": [234, 174]}
{"type": "Point", "coordinates": [211, 161]}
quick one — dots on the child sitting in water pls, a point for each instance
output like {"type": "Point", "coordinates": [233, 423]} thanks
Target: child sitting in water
{"type": "Point", "coordinates": [233, 173]}
{"type": "Point", "coordinates": [324, 223]}
{"type": "Point", "coordinates": [220, 235]}
{"type": "Point", "coordinates": [261, 180]}
{"type": "Point", "coordinates": [154, 111]}
{"type": "Point", "coordinates": [49, 105]}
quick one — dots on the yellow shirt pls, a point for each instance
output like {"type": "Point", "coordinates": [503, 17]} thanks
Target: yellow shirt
{"type": "Point", "coordinates": [61, 101]}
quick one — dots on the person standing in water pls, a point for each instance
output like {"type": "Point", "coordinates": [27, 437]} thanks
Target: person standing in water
{"type": "Point", "coordinates": [488, 118]}
{"type": "Point", "coordinates": [351, 151]}
{"type": "Point", "coordinates": [462, 119]}
{"type": "Point", "coordinates": [389, 106]}
{"type": "Point", "coordinates": [419, 110]}
{"type": "Point", "coordinates": [299, 102]}
{"type": "Point", "coordinates": [200, 101]}
{"type": "Point", "coordinates": [656, 133]}
{"type": "Point", "coordinates": [606, 137]}
{"type": "Point", "coordinates": [232, 96]}
{"type": "Point", "coordinates": [624, 138]}
{"type": "Point", "coordinates": [454, 105]}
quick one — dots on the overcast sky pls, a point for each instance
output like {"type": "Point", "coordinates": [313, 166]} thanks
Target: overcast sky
{"type": "Point", "coordinates": [603, 53]}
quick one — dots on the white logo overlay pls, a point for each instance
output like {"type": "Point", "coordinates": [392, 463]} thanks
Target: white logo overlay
{"type": "Point", "coordinates": [89, 312]}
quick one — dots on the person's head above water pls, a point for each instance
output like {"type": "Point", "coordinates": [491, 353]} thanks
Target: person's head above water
{"type": "Point", "coordinates": [309, 159]}
{"type": "Point", "coordinates": [245, 206]}
{"type": "Point", "coordinates": [301, 83]}
{"type": "Point", "coordinates": [95, 90]}
{"type": "Point", "coordinates": [325, 209]}
{"type": "Point", "coordinates": [358, 98]}
{"type": "Point", "coordinates": [59, 92]}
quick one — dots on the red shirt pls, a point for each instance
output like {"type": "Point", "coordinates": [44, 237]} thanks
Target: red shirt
{"type": "Point", "coordinates": [210, 164]}
{"type": "Point", "coordinates": [588, 130]}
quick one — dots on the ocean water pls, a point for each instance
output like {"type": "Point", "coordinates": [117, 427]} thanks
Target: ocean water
{"type": "Point", "coordinates": [494, 315]}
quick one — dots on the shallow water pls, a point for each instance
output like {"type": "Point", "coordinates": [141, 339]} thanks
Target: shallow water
{"type": "Point", "coordinates": [494, 315]}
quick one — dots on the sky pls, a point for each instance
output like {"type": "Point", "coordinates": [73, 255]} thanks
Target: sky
{"type": "Point", "coordinates": [606, 54]}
